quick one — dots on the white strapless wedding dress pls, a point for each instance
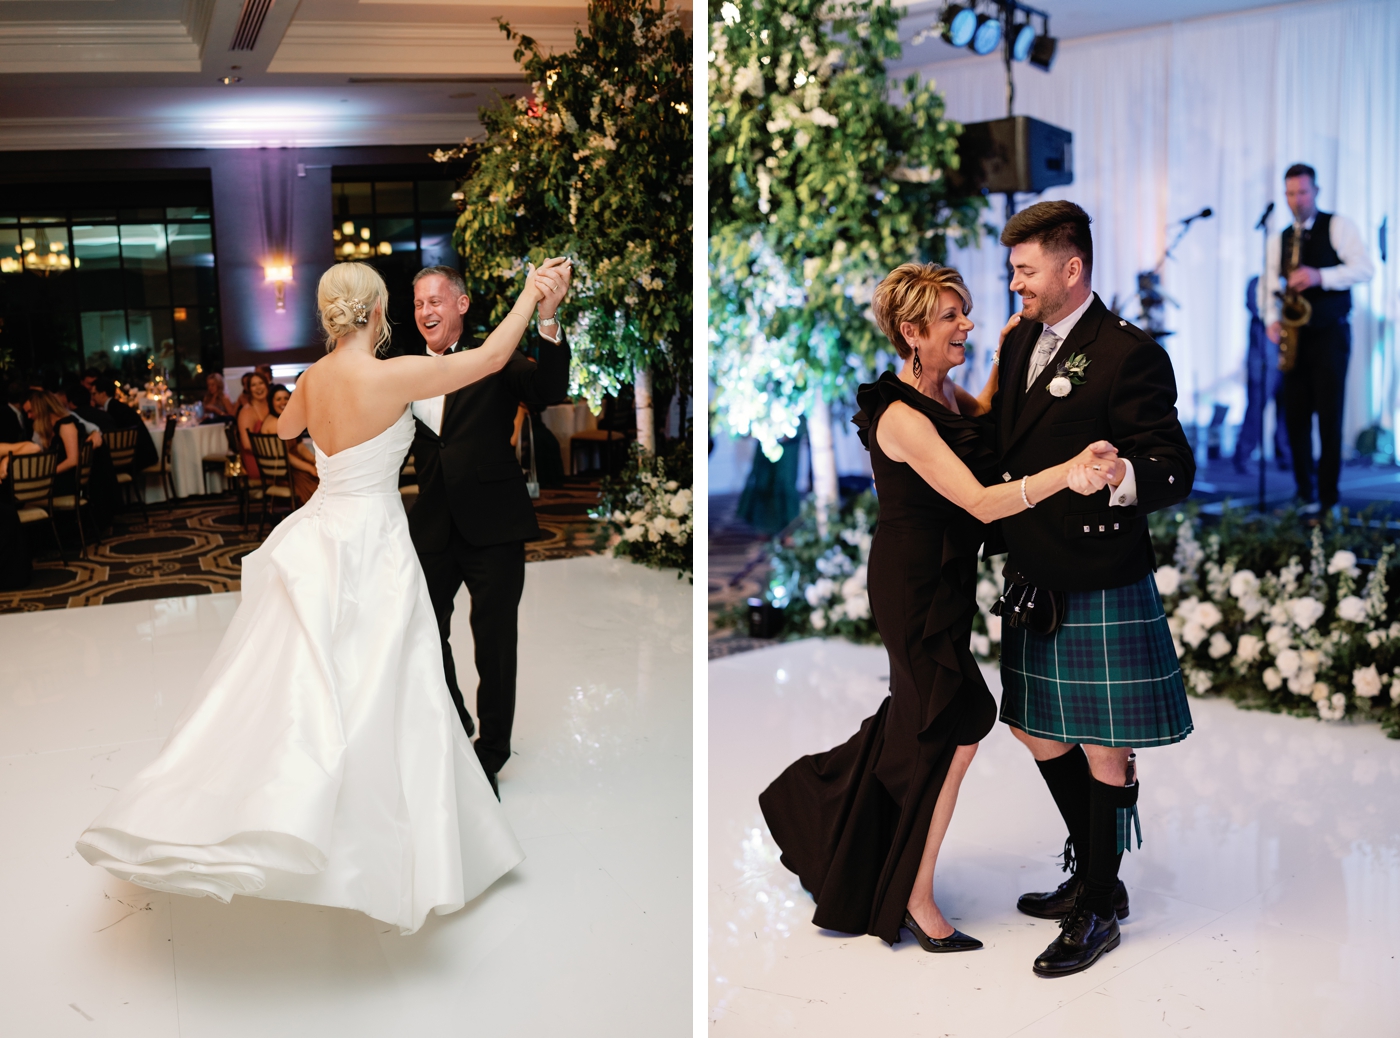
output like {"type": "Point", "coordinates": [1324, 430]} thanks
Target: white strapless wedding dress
{"type": "Point", "coordinates": [322, 760]}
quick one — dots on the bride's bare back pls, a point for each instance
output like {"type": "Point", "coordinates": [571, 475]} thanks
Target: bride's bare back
{"type": "Point", "coordinates": [351, 395]}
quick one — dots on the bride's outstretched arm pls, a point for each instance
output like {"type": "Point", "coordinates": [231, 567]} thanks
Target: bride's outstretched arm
{"type": "Point", "coordinates": [982, 402]}
{"type": "Point", "coordinates": [418, 378]}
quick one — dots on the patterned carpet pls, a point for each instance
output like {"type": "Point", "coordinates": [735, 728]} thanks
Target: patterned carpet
{"type": "Point", "coordinates": [195, 548]}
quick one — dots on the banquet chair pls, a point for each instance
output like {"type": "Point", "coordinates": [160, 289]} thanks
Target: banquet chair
{"type": "Point", "coordinates": [274, 471]}
{"type": "Point", "coordinates": [32, 476]}
{"type": "Point", "coordinates": [79, 500]}
{"type": "Point", "coordinates": [162, 467]}
{"type": "Point", "coordinates": [220, 462]}
{"type": "Point", "coordinates": [121, 444]}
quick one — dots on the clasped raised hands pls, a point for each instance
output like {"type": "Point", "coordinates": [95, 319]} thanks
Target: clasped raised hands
{"type": "Point", "coordinates": [1094, 468]}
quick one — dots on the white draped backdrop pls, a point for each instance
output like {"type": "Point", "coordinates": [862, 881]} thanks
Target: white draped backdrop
{"type": "Point", "coordinates": [1210, 112]}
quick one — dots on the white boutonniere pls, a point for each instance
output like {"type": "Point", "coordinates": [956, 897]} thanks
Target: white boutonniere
{"type": "Point", "coordinates": [1070, 373]}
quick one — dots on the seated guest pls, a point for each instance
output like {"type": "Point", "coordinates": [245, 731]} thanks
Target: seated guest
{"type": "Point", "coordinates": [250, 418]}
{"type": "Point", "coordinates": [216, 401]}
{"type": "Point", "coordinates": [18, 447]}
{"type": "Point", "coordinates": [14, 425]}
{"type": "Point", "coordinates": [77, 397]}
{"type": "Point", "coordinates": [122, 416]}
{"type": "Point", "coordinates": [15, 565]}
{"type": "Point", "coordinates": [301, 459]}
{"type": "Point", "coordinates": [58, 430]}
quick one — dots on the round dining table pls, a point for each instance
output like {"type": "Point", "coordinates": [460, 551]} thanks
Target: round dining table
{"type": "Point", "coordinates": [193, 442]}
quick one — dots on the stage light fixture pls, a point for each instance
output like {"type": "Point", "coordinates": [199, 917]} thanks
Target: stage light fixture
{"type": "Point", "coordinates": [1042, 54]}
{"type": "Point", "coordinates": [959, 24]}
{"type": "Point", "coordinates": [987, 36]}
{"type": "Point", "coordinates": [1022, 41]}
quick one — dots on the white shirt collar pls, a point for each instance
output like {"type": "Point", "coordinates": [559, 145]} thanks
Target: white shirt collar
{"type": "Point", "coordinates": [1062, 328]}
{"type": "Point", "coordinates": [429, 350]}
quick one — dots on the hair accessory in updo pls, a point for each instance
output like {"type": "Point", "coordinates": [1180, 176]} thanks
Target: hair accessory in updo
{"type": "Point", "coordinates": [360, 311]}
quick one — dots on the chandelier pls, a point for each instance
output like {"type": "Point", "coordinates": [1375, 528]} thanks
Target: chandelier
{"type": "Point", "coordinates": [353, 243]}
{"type": "Point", "coordinates": [38, 256]}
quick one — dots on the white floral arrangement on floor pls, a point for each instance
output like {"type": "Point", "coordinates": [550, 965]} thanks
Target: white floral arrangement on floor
{"type": "Point", "coordinates": [1307, 627]}
{"type": "Point", "coordinates": [648, 516]}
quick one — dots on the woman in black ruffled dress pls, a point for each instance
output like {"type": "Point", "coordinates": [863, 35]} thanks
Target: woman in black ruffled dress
{"type": "Point", "coordinates": [861, 824]}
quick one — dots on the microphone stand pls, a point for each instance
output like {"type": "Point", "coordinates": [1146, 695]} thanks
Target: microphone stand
{"type": "Point", "coordinates": [1263, 225]}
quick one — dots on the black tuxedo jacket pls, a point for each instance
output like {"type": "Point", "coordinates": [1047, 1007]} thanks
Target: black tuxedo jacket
{"type": "Point", "coordinates": [14, 428]}
{"type": "Point", "coordinates": [468, 476]}
{"type": "Point", "coordinates": [1070, 542]}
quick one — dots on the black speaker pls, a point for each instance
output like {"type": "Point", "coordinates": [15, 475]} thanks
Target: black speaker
{"type": "Point", "coordinates": [1018, 154]}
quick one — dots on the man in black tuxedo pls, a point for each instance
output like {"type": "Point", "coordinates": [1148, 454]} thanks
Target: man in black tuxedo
{"type": "Point", "coordinates": [473, 514]}
{"type": "Point", "coordinates": [14, 424]}
{"type": "Point", "coordinates": [121, 416]}
{"type": "Point", "coordinates": [1081, 696]}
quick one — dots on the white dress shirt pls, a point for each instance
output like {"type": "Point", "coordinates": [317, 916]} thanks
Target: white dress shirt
{"type": "Point", "coordinates": [1125, 496]}
{"type": "Point", "coordinates": [1060, 329]}
{"type": "Point", "coordinates": [1347, 243]}
{"type": "Point", "coordinates": [429, 411]}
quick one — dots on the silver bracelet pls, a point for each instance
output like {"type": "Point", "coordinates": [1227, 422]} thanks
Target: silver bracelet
{"type": "Point", "coordinates": [1024, 498]}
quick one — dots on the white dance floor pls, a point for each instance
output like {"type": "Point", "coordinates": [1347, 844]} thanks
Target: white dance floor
{"type": "Point", "coordinates": [1265, 898]}
{"type": "Point", "coordinates": [589, 936]}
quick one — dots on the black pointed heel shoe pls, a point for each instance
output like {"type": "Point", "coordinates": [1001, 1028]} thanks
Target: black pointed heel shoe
{"type": "Point", "coordinates": [955, 942]}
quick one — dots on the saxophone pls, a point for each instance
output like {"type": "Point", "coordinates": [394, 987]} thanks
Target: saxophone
{"type": "Point", "coordinates": [1296, 311]}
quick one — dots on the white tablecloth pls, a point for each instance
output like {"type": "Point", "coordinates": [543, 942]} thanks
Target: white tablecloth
{"type": "Point", "coordinates": [563, 420]}
{"type": "Point", "coordinates": [192, 443]}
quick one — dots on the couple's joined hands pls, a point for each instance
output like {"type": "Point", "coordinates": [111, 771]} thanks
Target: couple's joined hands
{"type": "Point", "coordinates": [549, 282]}
{"type": "Point", "coordinates": [1095, 467]}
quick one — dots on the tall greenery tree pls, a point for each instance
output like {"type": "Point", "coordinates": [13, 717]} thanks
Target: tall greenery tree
{"type": "Point", "coordinates": [597, 165]}
{"type": "Point", "coordinates": [824, 175]}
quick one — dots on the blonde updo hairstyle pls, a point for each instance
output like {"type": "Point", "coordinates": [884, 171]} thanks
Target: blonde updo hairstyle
{"type": "Point", "coordinates": [348, 290]}
{"type": "Point", "coordinates": [910, 293]}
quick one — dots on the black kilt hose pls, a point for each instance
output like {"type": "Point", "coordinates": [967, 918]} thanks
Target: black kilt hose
{"type": "Point", "coordinates": [1110, 675]}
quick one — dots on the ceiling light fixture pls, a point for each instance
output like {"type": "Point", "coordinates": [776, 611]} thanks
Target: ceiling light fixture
{"type": "Point", "coordinates": [987, 36]}
{"type": "Point", "coordinates": [230, 80]}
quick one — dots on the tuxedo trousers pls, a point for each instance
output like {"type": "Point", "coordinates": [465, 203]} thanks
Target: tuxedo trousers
{"type": "Point", "coordinates": [495, 578]}
{"type": "Point", "coordinates": [1317, 386]}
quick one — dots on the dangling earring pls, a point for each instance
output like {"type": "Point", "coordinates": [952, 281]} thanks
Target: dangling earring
{"type": "Point", "coordinates": [918, 367]}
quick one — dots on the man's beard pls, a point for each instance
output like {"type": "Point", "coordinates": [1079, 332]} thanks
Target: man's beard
{"type": "Point", "coordinates": [1044, 303]}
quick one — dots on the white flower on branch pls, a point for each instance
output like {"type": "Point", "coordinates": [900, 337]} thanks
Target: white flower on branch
{"type": "Point", "coordinates": [1352, 608]}
{"type": "Point", "coordinates": [1273, 680]}
{"type": "Point", "coordinates": [1201, 681]}
{"type": "Point", "coordinates": [1278, 638]}
{"type": "Point", "coordinates": [1250, 649]}
{"type": "Point", "coordinates": [1288, 662]}
{"type": "Point", "coordinates": [1219, 646]}
{"type": "Point", "coordinates": [1343, 562]}
{"type": "Point", "coordinates": [1302, 682]}
{"type": "Point", "coordinates": [1366, 681]}
{"type": "Point", "coordinates": [1320, 692]}
{"type": "Point", "coordinates": [822, 117]}
{"type": "Point", "coordinates": [1168, 580]}
{"type": "Point", "coordinates": [1304, 611]}
{"type": "Point", "coordinates": [1243, 584]}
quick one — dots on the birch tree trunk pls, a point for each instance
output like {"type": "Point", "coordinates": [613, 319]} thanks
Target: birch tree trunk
{"type": "Point", "coordinates": [823, 458]}
{"type": "Point", "coordinates": [646, 429]}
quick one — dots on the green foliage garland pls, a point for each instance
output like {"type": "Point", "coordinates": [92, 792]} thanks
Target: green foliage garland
{"type": "Point", "coordinates": [596, 165]}
{"type": "Point", "coordinates": [820, 184]}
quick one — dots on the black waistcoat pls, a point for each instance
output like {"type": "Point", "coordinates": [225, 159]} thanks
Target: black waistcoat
{"type": "Point", "coordinates": [1329, 307]}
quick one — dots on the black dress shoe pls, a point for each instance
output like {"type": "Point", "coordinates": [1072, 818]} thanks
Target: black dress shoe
{"type": "Point", "coordinates": [954, 942]}
{"type": "Point", "coordinates": [1084, 937]}
{"type": "Point", "coordinates": [1055, 904]}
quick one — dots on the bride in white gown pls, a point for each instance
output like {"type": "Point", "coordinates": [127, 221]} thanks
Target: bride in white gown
{"type": "Point", "coordinates": [322, 760]}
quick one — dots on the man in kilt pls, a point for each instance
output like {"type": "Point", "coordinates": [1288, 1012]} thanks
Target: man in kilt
{"type": "Point", "coordinates": [1107, 679]}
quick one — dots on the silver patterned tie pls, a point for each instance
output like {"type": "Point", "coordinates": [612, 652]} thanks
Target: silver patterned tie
{"type": "Point", "coordinates": [1044, 349]}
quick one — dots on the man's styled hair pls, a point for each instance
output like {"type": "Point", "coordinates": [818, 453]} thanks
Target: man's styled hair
{"type": "Point", "coordinates": [910, 293]}
{"type": "Point", "coordinates": [1057, 227]}
{"type": "Point", "coordinates": [1301, 169]}
{"type": "Point", "coordinates": [455, 279]}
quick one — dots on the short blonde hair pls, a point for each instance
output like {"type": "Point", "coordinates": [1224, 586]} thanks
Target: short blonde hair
{"type": "Point", "coordinates": [910, 293]}
{"type": "Point", "coordinates": [341, 288]}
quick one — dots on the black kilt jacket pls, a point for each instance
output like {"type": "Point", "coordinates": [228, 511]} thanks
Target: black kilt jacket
{"type": "Point", "coordinates": [467, 475]}
{"type": "Point", "coordinates": [1070, 542]}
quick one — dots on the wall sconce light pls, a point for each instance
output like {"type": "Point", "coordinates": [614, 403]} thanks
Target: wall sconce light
{"type": "Point", "coordinates": [180, 313]}
{"type": "Point", "coordinates": [278, 272]}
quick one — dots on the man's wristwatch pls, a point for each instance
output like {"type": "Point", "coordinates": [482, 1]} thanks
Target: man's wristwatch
{"type": "Point", "coordinates": [549, 328]}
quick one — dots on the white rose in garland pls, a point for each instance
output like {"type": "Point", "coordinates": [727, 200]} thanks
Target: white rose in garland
{"type": "Point", "coordinates": [1168, 580]}
{"type": "Point", "coordinates": [1305, 611]}
{"type": "Point", "coordinates": [1352, 609]}
{"type": "Point", "coordinates": [1219, 646]}
{"type": "Point", "coordinates": [1366, 681]}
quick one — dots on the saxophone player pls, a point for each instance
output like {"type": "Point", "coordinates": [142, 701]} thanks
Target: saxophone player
{"type": "Point", "coordinates": [1320, 256]}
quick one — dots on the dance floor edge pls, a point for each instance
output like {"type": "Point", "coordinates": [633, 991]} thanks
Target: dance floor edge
{"type": "Point", "coordinates": [588, 936]}
{"type": "Point", "coordinates": [1265, 898]}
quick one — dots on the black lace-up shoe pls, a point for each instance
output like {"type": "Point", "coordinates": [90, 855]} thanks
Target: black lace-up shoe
{"type": "Point", "coordinates": [1084, 938]}
{"type": "Point", "coordinates": [1055, 904]}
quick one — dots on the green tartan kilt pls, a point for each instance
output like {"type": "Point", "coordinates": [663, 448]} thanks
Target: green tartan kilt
{"type": "Point", "coordinates": [1109, 676]}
